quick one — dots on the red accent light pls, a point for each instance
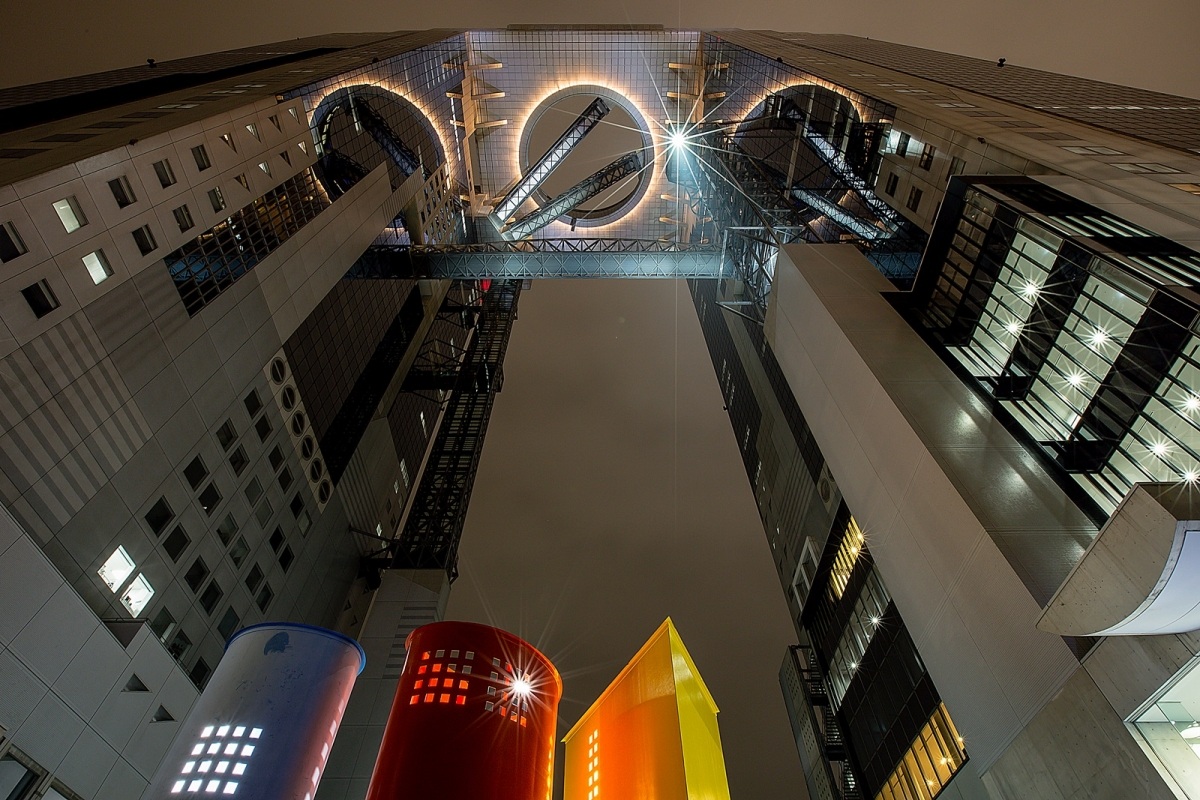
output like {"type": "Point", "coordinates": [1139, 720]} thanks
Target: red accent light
{"type": "Point", "coordinates": [412, 701]}
{"type": "Point", "coordinates": [437, 667]}
{"type": "Point", "coordinates": [485, 284]}
{"type": "Point", "coordinates": [429, 698]}
{"type": "Point", "coordinates": [421, 670]}
{"type": "Point", "coordinates": [417, 685]}
{"type": "Point", "coordinates": [461, 700]}
{"type": "Point", "coordinates": [444, 698]}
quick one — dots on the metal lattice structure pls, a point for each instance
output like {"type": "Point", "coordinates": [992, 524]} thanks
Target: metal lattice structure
{"type": "Point", "coordinates": [430, 537]}
{"type": "Point", "coordinates": [581, 192]}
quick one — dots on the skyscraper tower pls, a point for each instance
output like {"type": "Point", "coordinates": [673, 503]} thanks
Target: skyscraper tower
{"type": "Point", "coordinates": [255, 306]}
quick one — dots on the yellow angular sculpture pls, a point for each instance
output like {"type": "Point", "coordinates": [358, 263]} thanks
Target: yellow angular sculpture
{"type": "Point", "coordinates": [652, 734]}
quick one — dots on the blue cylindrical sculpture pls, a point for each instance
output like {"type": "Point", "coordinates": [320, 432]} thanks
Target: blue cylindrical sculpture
{"type": "Point", "coordinates": [264, 725]}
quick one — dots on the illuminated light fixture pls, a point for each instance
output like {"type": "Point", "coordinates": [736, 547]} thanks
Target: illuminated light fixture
{"type": "Point", "coordinates": [1191, 476]}
{"type": "Point", "coordinates": [678, 140]}
{"type": "Point", "coordinates": [1160, 449]}
{"type": "Point", "coordinates": [1191, 731]}
{"type": "Point", "coordinates": [1075, 379]}
{"type": "Point", "coordinates": [853, 665]}
{"type": "Point", "coordinates": [876, 620]}
{"type": "Point", "coordinates": [1099, 337]}
{"type": "Point", "coordinates": [1013, 327]}
{"type": "Point", "coordinates": [1030, 290]}
{"type": "Point", "coordinates": [1191, 403]}
{"type": "Point", "coordinates": [522, 687]}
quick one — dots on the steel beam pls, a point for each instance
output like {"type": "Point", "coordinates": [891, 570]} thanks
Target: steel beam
{"type": "Point", "coordinates": [541, 169]}
{"type": "Point", "coordinates": [581, 192]}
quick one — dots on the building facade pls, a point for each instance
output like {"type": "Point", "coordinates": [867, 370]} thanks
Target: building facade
{"type": "Point", "coordinates": [253, 313]}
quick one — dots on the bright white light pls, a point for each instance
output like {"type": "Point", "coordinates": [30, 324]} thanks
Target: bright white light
{"type": "Point", "coordinates": [223, 730]}
{"type": "Point", "coordinates": [194, 786]}
{"type": "Point", "coordinates": [188, 767]}
{"type": "Point", "coordinates": [1075, 379]}
{"type": "Point", "coordinates": [247, 751]}
{"type": "Point", "coordinates": [1160, 449]}
{"type": "Point", "coordinates": [239, 768]}
{"type": "Point", "coordinates": [678, 140]}
{"type": "Point", "coordinates": [255, 733]}
{"type": "Point", "coordinates": [1191, 476]}
{"type": "Point", "coordinates": [522, 687]}
{"type": "Point", "coordinates": [230, 787]}
{"type": "Point", "coordinates": [875, 620]}
{"type": "Point", "coordinates": [208, 731]}
{"type": "Point", "coordinates": [178, 787]}
{"type": "Point", "coordinates": [198, 749]}
{"type": "Point", "coordinates": [1013, 327]}
{"type": "Point", "coordinates": [138, 595]}
{"type": "Point", "coordinates": [1099, 337]}
{"type": "Point", "coordinates": [1191, 731]}
{"type": "Point", "coordinates": [1191, 403]}
{"type": "Point", "coordinates": [239, 730]}
{"type": "Point", "coordinates": [231, 748]}
{"type": "Point", "coordinates": [116, 569]}
{"type": "Point", "coordinates": [1030, 290]}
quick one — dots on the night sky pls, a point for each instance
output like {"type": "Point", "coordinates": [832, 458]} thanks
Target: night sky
{"type": "Point", "coordinates": [611, 494]}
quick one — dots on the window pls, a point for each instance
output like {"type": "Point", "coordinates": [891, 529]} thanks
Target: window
{"type": "Point", "coordinates": [265, 167]}
{"type": "Point", "coordinates": [927, 157]}
{"type": "Point", "coordinates": [239, 551]}
{"type": "Point", "coordinates": [274, 120]}
{"type": "Point", "coordinates": [11, 243]}
{"type": "Point", "coordinates": [211, 596]}
{"type": "Point", "coordinates": [97, 267]}
{"type": "Point", "coordinates": [196, 574]}
{"type": "Point", "coordinates": [902, 145]}
{"type": "Point", "coordinates": [216, 198]}
{"type": "Point", "coordinates": [243, 180]}
{"type": "Point", "coordinates": [892, 180]}
{"type": "Point", "coordinates": [159, 515]}
{"type": "Point", "coordinates": [276, 457]}
{"type": "Point", "coordinates": [253, 490]}
{"type": "Point", "coordinates": [914, 199]}
{"type": "Point", "coordinates": [253, 403]}
{"type": "Point", "coordinates": [200, 672]}
{"type": "Point", "coordinates": [238, 460]}
{"type": "Point", "coordinates": [201, 155]}
{"type": "Point", "coordinates": [138, 595]}
{"type": "Point", "coordinates": [1190, 188]}
{"type": "Point", "coordinates": [228, 140]}
{"type": "Point", "coordinates": [264, 597]}
{"type": "Point", "coordinates": [297, 505]}
{"type": "Point", "coordinates": [277, 539]}
{"type": "Point", "coordinates": [957, 165]}
{"type": "Point", "coordinates": [183, 218]}
{"type": "Point", "coordinates": [226, 434]}
{"type": "Point", "coordinates": [227, 529]}
{"type": "Point", "coordinates": [179, 646]}
{"type": "Point", "coordinates": [17, 776]}
{"type": "Point", "coordinates": [143, 237]}
{"type": "Point", "coordinates": [1147, 167]}
{"type": "Point", "coordinates": [253, 129]}
{"type": "Point", "coordinates": [116, 569]}
{"type": "Point", "coordinates": [254, 578]}
{"type": "Point", "coordinates": [176, 542]}
{"type": "Point", "coordinates": [229, 623]}
{"type": "Point", "coordinates": [70, 214]}
{"type": "Point", "coordinates": [846, 558]}
{"type": "Point", "coordinates": [1093, 151]}
{"type": "Point", "coordinates": [933, 758]}
{"type": "Point", "coordinates": [195, 472]}
{"type": "Point", "coordinates": [122, 192]}
{"type": "Point", "coordinates": [166, 175]}
{"type": "Point", "coordinates": [163, 624]}
{"type": "Point", "coordinates": [286, 156]}
{"type": "Point", "coordinates": [263, 428]}
{"type": "Point", "coordinates": [209, 498]}
{"type": "Point", "coordinates": [41, 298]}
{"type": "Point", "coordinates": [264, 512]}
{"type": "Point", "coordinates": [286, 558]}
{"type": "Point", "coordinates": [285, 479]}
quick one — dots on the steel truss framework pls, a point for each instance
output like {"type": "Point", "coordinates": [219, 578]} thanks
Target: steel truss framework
{"type": "Point", "coordinates": [434, 526]}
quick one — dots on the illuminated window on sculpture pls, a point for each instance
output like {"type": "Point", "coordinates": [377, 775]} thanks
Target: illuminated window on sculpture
{"type": "Point", "coordinates": [593, 763]}
{"type": "Point", "coordinates": [217, 760]}
{"type": "Point", "coordinates": [931, 761]}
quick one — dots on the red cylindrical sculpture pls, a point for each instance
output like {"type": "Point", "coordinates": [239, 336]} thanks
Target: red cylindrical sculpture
{"type": "Point", "coordinates": [474, 716]}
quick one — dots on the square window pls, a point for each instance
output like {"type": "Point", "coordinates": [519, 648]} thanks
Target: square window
{"type": "Point", "coordinates": [239, 551]}
{"type": "Point", "coordinates": [957, 166]}
{"type": "Point", "coordinates": [70, 214]}
{"type": "Point", "coordinates": [254, 491]}
{"type": "Point", "coordinates": [227, 529]}
{"type": "Point", "coordinates": [276, 457]}
{"type": "Point", "coordinates": [254, 578]}
{"type": "Point", "coordinates": [264, 597]}
{"type": "Point", "coordinates": [97, 267]}
{"type": "Point", "coordinates": [229, 623]}
{"type": "Point", "coordinates": [285, 479]}
{"type": "Point", "coordinates": [179, 646]}
{"type": "Point", "coordinates": [11, 243]}
{"type": "Point", "coordinates": [253, 403]}
{"type": "Point", "coordinates": [159, 516]}
{"type": "Point", "coordinates": [116, 568]}
{"type": "Point", "coordinates": [286, 558]}
{"type": "Point", "coordinates": [211, 596]}
{"type": "Point", "coordinates": [138, 595]}
{"type": "Point", "coordinates": [264, 512]}
{"type": "Point", "coordinates": [238, 460]}
{"type": "Point", "coordinates": [195, 472]}
{"type": "Point", "coordinates": [277, 539]}
{"type": "Point", "coordinates": [209, 498]}
{"type": "Point", "coordinates": [41, 298]}
{"type": "Point", "coordinates": [176, 542]}
{"type": "Point", "coordinates": [143, 237]}
{"type": "Point", "coordinates": [216, 198]}
{"type": "Point", "coordinates": [196, 574]}
{"type": "Point", "coordinates": [122, 192]}
{"type": "Point", "coordinates": [200, 153]}
{"type": "Point", "coordinates": [892, 181]}
{"type": "Point", "coordinates": [183, 218]}
{"type": "Point", "coordinates": [166, 175]}
{"type": "Point", "coordinates": [227, 434]}
{"type": "Point", "coordinates": [199, 675]}
{"type": "Point", "coordinates": [263, 428]}
{"type": "Point", "coordinates": [163, 624]}
{"type": "Point", "coordinates": [914, 199]}
{"type": "Point", "coordinates": [297, 505]}
{"type": "Point", "coordinates": [927, 157]}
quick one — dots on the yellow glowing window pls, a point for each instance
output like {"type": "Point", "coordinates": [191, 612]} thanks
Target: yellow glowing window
{"type": "Point", "coordinates": [425, 656]}
{"type": "Point", "coordinates": [847, 555]}
{"type": "Point", "coordinates": [524, 722]}
{"type": "Point", "coordinates": [931, 761]}
{"type": "Point", "coordinates": [444, 698]}
{"type": "Point", "coordinates": [462, 684]}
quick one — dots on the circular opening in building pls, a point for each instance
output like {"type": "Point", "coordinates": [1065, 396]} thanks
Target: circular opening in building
{"type": "Point", "coordinates": [308, 447]}
{"type": "Point", "coordinates": [288, 398]}
{"type": "Point", "coordinates": [323, 492]}
{"type": "Point", "coordinates": [298, 423]}
{"type": "Point", "coordinates": [278, 370]}
{"type": "Point", "coordinates": [316, 470]}
{"type": "Point", "coordinates": [620, 132]}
